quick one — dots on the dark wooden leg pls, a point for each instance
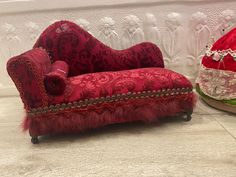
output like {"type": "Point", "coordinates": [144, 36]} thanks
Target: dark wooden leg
{"type": "Point", "coordinates": [34, 140]}
{"type": "Point", "coordinates": [187, 116]}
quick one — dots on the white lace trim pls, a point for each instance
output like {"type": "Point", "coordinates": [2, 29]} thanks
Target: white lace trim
{"type": "Point", "coordinates": [218, 84]}
{"type": "Point", "coordinates": [218, 55]}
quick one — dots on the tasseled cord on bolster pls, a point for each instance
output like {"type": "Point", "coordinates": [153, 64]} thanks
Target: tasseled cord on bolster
{"type": "Point", "coordinates": [55, 80]}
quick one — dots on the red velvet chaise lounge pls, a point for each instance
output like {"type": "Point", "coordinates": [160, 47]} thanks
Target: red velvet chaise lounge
{"type": "Point", "coordinates": [70, 82]}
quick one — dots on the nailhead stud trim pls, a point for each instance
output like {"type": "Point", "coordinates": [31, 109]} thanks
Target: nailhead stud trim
{"type": "Point", "coordinates": [113, 98]}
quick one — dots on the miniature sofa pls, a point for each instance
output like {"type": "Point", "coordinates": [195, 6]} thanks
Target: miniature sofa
{"type": "Point", "coordinates": [70, 82]}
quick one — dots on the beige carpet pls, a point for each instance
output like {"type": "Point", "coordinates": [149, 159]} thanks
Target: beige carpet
{"type": "Point", "coordinates": [206, 146]}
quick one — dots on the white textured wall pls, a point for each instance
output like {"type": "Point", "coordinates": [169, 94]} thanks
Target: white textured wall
{"type": "Point", "coordinates": [181, 28]}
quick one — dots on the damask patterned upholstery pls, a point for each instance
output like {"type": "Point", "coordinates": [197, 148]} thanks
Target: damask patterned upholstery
{"type": "Point", "coordinates": [66, 41]}
{"type": "Point", "coordinates": [103, 86]}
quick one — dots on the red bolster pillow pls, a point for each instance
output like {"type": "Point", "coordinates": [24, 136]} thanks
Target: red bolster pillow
{"type": "Point", "coordinates": [55, 80]}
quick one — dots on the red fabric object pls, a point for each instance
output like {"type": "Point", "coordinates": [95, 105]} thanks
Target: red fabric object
{"type": "Point", "coordinates": [226, 42]}
{"type": "Point", "coordinates": [144, 110]}
{"type": "Point", "coordinates": [55, 81]}
{"type": "Point", "coordinates": [108, 86]}
{"type": "Point", "coordinates": [85, 54]}
{"type": "Point", "coordinates": [103, 84]}
{"type": "Point", "coordinates": [217, 74]}
{"type": "Point", "coordinates": [27, 71]}
{"type": "Point", "coordinates": [101, 87]}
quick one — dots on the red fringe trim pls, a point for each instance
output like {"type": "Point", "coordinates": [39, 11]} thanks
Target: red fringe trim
{"type": "Point", "coordinates": [73, 121]}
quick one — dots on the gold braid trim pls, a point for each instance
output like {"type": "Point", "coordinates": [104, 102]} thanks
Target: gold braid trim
{"type": "Point", "coordinates": [113, 98]}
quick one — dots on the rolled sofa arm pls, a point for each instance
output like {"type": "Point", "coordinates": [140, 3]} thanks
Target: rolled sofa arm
{"type": "Point", "coordinates": [55, 81]}
{"type": "Point", "coordinates": [27, 72]}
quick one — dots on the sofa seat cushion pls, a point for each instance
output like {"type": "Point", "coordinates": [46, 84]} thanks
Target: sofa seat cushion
{"type": "Point", "coordinates": [103, 84]}
{"type": "Point", "coordinates": [97, 99]}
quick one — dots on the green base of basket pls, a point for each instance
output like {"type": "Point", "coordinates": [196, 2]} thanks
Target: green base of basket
{"type": "Point", "coordinates": [230, 102]}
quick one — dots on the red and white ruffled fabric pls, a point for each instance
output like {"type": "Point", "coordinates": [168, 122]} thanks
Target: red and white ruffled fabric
{"type": "Point", "coordinates": [218, 84]}
{"type": "Point", "coordinates": [217, 75]}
